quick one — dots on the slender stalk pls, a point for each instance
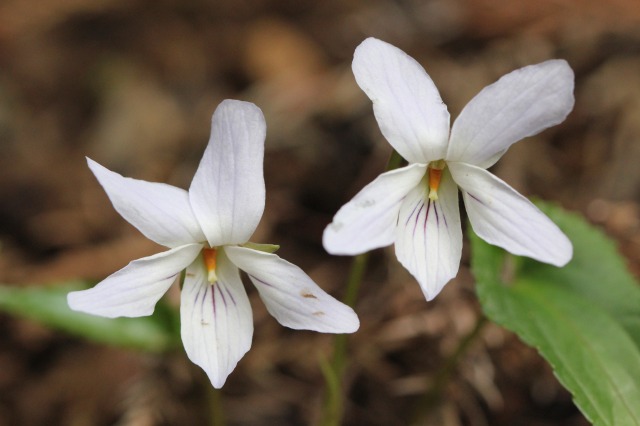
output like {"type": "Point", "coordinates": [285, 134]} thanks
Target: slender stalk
{"type": "Point", "coordinates": [334, 370]}
{"type": "Point", "coordinates": [215, 402]}
{"type": "Point", "coordinates": [440, 381]}
{"type": "Point", "coordinates": [358, 268]}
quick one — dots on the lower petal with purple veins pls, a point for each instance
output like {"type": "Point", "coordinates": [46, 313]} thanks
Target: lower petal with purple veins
{"type": "Point", "coordinates": [429, 235]}
{"type": "Point", "coordinates": [216, 319]}
{"type": "Point", "coordinates": [367, 221]}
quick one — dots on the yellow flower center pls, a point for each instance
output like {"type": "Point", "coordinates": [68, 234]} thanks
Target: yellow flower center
{"type": "Point", "coordinates": [435, 175]}
{"type": "Point", "coordinates": [210, 256]}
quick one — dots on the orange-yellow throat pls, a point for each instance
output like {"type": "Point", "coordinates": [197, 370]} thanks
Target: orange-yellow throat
{"type": "Point", "coordinates": [210, 256]}
{"type": "Point", "coordinates": [435, 175]}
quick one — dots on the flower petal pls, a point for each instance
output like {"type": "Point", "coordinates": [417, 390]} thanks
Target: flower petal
{"type": "Point", "coordinates": [161, 212]}
{"type": "Point", "coordinates": [227, 193]}
{"type": "Point", "coordinates": [134, 290]}
{"type": "Point", "coordinates": [503, 217]}
{"type": "Point", "coordinates": [406, 103]}
{"type": "Point", "coordinates": [429, 236]}
{"type": "Point", "coordinates": [216, 320]}
{"type": "Point", "coordinates": [291, 296]}
{"type": "Point", "coordinates": [369, 220]}
{"type": "Point", "coordinates": [520, 104]}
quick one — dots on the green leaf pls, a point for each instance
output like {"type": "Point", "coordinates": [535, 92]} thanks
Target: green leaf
{"type": "Point", "coordinates": [584, 319]}
{"type": "Point", "coordinates": [48, 306]}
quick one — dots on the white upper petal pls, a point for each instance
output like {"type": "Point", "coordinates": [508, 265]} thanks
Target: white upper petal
{"type": "Point", "coordinates": [134, 290]}
{"type": "Point", "coordinates": [161, 212]}
{"type": "Point", "coordinates": [369, 220]}
{"type": "Point", "coordinates": [503, 217]}
{"type": "Point", "coordinates": [520, 104]}
{"type": "Point", "coordinates": [216, 320]}
{"type": "Point", "coordinates": [429, 236]}
{"type": "Point", "coordinates": [406, 103]}
{"type": "Point", "coordinates": [227, 193]}
{"type": "Point", "coordinates": [291, 296]}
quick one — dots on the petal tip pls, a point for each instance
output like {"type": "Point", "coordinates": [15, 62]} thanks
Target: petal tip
{"type": "Point", "coordinates": [234, 105]}
{"type": "Point", "coordinates": [330, 242]}
{"type": "Point", "coordinates": [95, 167]}
{"type": "Point", "coordinates": [72, 300]}
{"type": "Point", "coordinates": [431, 293]}
{"type": "Point", "coordinates": [369, 41]}
{"type": "Point", "coordinates": [353, 325]}
{"type": "Point", "coordinates": [565, 254]}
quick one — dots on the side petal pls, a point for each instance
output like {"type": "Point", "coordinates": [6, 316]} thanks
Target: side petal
{"type": "Point", "coordinates": [406, 103]}
{"type": "Point", "coordinates": [161, 212]}
{"type": "Point", "coordinates": [369, 220]}
{"type": "Point", "coordinates": [227, 192]}
{"type": "Point", "coordinates": [291, 296]}
{"type": "Point", "coordinates": [503, 217]}
{"type": "Point", "coordinates": [216, 320]}
{"type": "Point", "coordinates": [520, 104]}
{"type": "Point", "coordinates": [429, 236]}
{"type": "Point", "coordinates": [134, 290]}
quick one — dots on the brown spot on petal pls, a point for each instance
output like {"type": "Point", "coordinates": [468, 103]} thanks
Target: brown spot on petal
{"type": "Point", "coordinates": [318, 313]}
{"type": "Point", "coordinates": [308, 295]}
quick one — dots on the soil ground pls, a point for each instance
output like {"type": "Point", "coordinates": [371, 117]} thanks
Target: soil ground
{"type": "Point", "coordinates": [132, 84]}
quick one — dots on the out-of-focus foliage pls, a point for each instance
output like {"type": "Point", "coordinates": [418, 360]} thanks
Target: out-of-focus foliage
{"type": "Point", "coordinates": [48, 306]}
{"type": "Point", "coordinates": [583, 318]}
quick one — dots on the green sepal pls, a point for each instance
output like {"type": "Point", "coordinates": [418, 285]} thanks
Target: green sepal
{"type": "Point", "coordinates": [267, 248]}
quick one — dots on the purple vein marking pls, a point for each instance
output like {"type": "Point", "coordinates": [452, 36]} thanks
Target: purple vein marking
{"type": "Point", "coordinates": [198, 297]}
{"type": "Point", "coordinates": [426, 216]}
{"type": "Point", "coordinates": [195, 304]}
{"type": "Point", "coordinates": [400, 201]}
{"type": "Point", "coordinates": [412, 212]}
{"type": "Point", "coordinates": [260, 281]}
{"type": "Point", "coordinates": [418, 217]}
{"type": "Point", "coordinates": [475, 198]}
{"type": "Point", "coordinates": [444, 216]}
{"type": "Point", "coordinates": [435, 209]}
{"type": "Point", "coordinates": [230, 295]}
{"type": "Point", "coordinates": [213, 298]}
{"type": "Point", "coordinates": [224, 300]}
{"type": "Point", "coordinates": [274, 287]}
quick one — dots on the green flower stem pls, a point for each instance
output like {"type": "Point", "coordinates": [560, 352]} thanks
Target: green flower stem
{"type": "Point", "coordinates": [434, 393]}
{"type": "Point", "coordinates": [216, 404]}
{"type": "Point", "coordinates": [333, 371]}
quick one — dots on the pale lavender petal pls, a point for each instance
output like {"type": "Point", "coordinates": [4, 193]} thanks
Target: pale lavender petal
{"type": "Point", "coordinates": [134, 290]}
{"type": "Point", "coordinates": [406, 103]}
{"type": "Point", "coordinates": [369, 220]}
{"type": "Point", "coordinates": [503, 217]}
{"type": "Point", "coordinates": [216, 319]}
{"type": "Point", "coordinates": [291, 296]}
{"type": "Point", "coordinates": [161, 212]}
{"type": "Point", "coordinates": [429, 236]}
{"type": "Point", "coordinates": [520, 104]}
{"type": "Point", "coordinates": [227, 193]}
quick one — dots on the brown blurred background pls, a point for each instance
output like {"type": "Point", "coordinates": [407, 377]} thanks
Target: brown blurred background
{"type": "Point", "coordinates": [133, 84]}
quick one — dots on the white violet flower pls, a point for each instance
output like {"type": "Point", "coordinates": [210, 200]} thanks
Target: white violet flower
{"type": "Point", "coordinates": [416, 207]}
{"type": "Point", "coordinates": [206, 230]}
